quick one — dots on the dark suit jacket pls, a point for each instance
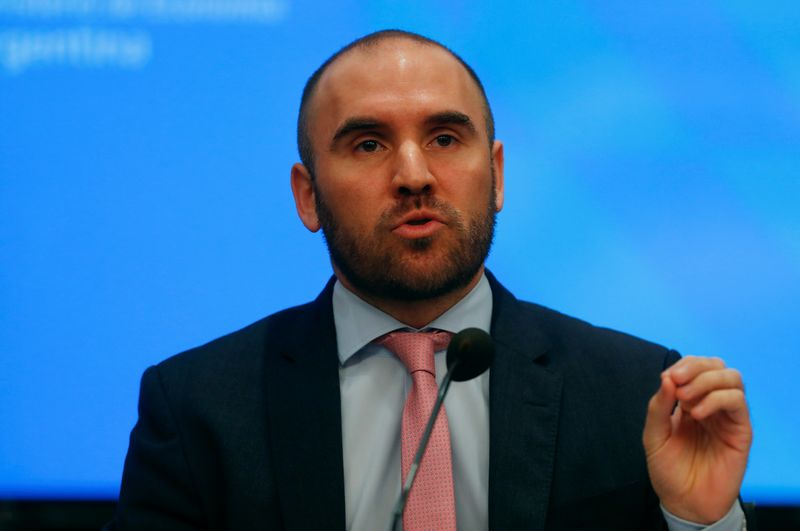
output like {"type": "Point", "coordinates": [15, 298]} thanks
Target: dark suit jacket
{"type": "Point", "coordinates": [245, 432]}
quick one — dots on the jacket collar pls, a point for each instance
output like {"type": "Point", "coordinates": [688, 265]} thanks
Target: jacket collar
{"type": "Point", "coordinates": [303, 405]}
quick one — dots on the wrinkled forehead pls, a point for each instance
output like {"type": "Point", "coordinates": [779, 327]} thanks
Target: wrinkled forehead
{"type": "Point", "coordinates": [393, 72]}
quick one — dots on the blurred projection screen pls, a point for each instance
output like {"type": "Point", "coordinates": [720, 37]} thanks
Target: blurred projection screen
{"type": "Point", "coordinates": [652, 186]}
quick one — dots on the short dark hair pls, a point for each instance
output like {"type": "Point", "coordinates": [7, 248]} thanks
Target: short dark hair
{"type": "Point", "coordinates": [304, 139]}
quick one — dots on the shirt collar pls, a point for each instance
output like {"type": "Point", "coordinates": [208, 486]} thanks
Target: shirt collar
{"type": "Point", "coordinates": [358, 323]}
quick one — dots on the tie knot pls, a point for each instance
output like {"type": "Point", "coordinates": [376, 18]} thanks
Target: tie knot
{"type": "Point", "coordinates": [416, 349]}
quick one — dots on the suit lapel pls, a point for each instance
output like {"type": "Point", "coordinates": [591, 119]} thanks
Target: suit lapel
{"type": "Point", "coordinates": [304, 408]}
{"type": "Point", "coordinates": [524, 406]}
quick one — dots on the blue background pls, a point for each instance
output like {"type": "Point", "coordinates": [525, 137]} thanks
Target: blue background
{"type": "Point", "coordinates": [652, 155]}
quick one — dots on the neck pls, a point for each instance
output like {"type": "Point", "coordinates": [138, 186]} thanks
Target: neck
{"type": "Point", "coordinates": [414, 313]}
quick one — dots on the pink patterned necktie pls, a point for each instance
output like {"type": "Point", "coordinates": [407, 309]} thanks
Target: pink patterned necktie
{"type": "Point", "coordinates": [431, 503]}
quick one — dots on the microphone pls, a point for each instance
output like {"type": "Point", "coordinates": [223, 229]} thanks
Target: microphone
{"type": "Point", "coordinates": [469, 354]}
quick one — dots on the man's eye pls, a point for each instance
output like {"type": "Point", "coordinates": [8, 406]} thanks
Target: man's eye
{"type": "Point", "coordinates": [369, 146]}
{"type": "Point", "coordinates": [444, 140]}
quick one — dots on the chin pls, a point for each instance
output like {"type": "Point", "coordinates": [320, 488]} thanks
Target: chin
{"type": "Point", "coordinates": [422, 279]}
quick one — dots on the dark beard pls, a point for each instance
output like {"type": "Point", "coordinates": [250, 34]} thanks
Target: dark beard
{"type": "Point", "coordinates": [377, 271]}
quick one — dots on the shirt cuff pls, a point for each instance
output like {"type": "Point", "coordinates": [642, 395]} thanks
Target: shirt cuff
{"type": "Point", "coordinates": [733, 521]}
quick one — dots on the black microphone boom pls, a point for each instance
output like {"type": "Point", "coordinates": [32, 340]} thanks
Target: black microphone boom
{"type": "Point", "coordinates": [469, 354]}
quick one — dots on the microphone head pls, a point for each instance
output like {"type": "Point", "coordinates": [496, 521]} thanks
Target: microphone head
{"type": "Point", "coordinates": [470, 353]}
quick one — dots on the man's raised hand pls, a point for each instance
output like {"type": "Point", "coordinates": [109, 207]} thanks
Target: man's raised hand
{"type": "Point", "coordinates": [697, 452]}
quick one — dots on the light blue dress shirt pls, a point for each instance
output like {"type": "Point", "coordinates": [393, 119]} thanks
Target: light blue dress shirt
{"type": "Point", "coordinates": [374, 384]}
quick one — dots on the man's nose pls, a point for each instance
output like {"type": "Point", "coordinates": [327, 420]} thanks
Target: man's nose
{"type": "Point", "coordinates": [412, 175]}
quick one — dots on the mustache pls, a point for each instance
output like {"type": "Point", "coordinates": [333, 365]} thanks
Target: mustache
{"type": "Point", "coordinates": [409, 204]}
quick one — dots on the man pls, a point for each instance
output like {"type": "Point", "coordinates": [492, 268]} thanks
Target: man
{"type": "Point", "coordinates": [295, 422]}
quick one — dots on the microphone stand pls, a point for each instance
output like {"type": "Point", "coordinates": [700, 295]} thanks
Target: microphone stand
{"type": "Point", "coordinates": [423, 444]}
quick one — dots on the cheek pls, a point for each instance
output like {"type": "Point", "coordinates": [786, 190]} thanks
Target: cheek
{"type": "Point", "coordinates": [351, 181]}
{"type": "Point", "coordinates": [468, 184]}
{"type": "Point", "coordinates": [355, 207]}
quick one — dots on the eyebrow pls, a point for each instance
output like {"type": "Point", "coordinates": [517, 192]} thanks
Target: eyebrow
{"type": "Point", "coordinates": [366, 123]}
{"type": "Point", "coordinates": [452, 118]}
{"type": "Point", "coordinates": [357, 123]}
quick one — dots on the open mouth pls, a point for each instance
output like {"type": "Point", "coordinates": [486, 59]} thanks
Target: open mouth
{"type": "Point", "coordinates": [422, 221]}
{"type": "Point", "coordinates": [418, 227]}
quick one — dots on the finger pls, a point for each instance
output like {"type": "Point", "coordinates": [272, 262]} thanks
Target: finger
{"type": "Point", "coordinates": [658, 425]}
{"type": "Point", "coordinates": [731, 401]}
{"type": "Point", "coordinates": [686, 405]}
{"type": "Point", "coordinates": [708, 381]}
{"type": "Point", "coordinates": [686, 369]}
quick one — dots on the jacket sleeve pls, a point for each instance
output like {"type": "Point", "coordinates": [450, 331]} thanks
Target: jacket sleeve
{"type": "Point", "coordinates": [157, 486]}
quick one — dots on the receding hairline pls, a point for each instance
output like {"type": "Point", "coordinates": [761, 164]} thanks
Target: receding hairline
{"type": "Point", "coordinates": [370, 47]}
{"type": "Point", "coordinates": [365, 44]}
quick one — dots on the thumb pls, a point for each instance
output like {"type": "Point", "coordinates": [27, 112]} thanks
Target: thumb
{"type": "Point", "coordinates": [658, 425]}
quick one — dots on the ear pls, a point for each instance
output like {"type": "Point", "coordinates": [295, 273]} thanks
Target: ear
{"type": "Point", "coordinates": [499, 182]}
{"type": "Point", "coordinates": [304, 197]}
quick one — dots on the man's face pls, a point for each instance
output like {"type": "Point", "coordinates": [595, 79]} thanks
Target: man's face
{"type": "Point", "coordinates": [405, 185]}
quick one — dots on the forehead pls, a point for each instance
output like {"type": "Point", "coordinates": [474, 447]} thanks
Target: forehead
{"type": "Point", "coordinates": [395, 78]}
